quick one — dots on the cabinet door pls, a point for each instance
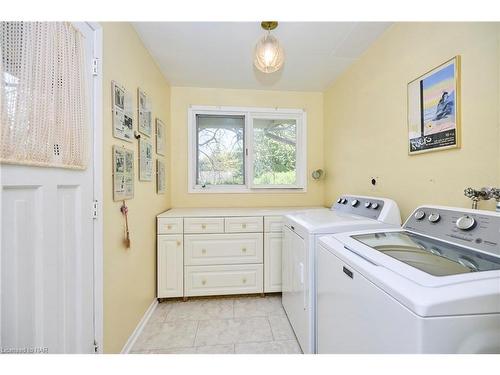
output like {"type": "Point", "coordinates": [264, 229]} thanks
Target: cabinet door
{"type": "Point", "coordinates": [273, 243]}
{"type": "Point", "coordinates": [170, 266]}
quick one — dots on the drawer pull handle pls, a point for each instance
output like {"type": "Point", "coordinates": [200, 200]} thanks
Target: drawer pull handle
{"type": "Point", "coordinates": [178, 243]}
{"type": "Point", "coordinates": [169, 226]}
{"type": "Point", "coordinates": [203, 282]}
{"type": "Point", "coordinates": [203, 251]}
{"type": "Point", "coordinates": [244, 249]}
{"type": "Point", "coordinates": [203, 226]}
{"type": "Point", "coordinates": [244, 226]}
{"type": "Point", "coordinates": [244, 281]}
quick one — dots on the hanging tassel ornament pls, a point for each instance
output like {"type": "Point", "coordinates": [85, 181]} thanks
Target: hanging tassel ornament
{"type": "Point", "coordinates": [124, 210]}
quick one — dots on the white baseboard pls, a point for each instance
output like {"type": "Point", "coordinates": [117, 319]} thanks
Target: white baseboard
{"type": "Point", "coordinates": [137, 331]}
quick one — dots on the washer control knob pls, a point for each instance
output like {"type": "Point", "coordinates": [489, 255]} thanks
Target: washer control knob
{"type": "Point", "coordinates": [344, 201]}
{"type": "Point", "coordinates": [434, 217]}
{"type": "Point", "coordinates": [354, 203]}
{"type": "Point", "coordinates": [339, 200]}
{"type": "Point", "coordinates": [419, 215]}
{"type": "Point", "coordinates": [368, 204]}
{"type": "Point", "coordinates": [466, 222]}
{"type": "Point", "coordinates": [375, 206]}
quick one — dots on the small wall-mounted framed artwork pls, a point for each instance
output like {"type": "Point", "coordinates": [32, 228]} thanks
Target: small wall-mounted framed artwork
{"type": "Point", "coordinates": [123, 173]}
{"type": "Point", "coordinates": [123, 127]}
{"type": "Point", "coordinates": [160, 137]}
{"type": "Point", "coordinates": [145, 159]}
{"type": "Point", "coordinates": [144, 113]}
{"type": "Point", "coordinates": [434, 109]}
{"type": "Point", "coordinates": [160, 177]}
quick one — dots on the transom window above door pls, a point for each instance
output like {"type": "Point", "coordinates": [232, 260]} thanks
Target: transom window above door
{"type": "Point", "coordinates": [246, 149]}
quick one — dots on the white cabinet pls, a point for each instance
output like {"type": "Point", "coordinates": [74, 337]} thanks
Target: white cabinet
{"type": "Point", "coordinates": [273, 224]}
{"type": "Point", "coordinates": [273, 242]}
{"type": "Point", "coordinates": [167, 225]}
{"type": "Point", "coordinates": [243, 224]}
{"type": "Point", "coordinates": [202, 253]}
{"type": "Point", "coordinates": [208, 249]}
{"type": "Point", "coordinates": [223, 279]}
{"type": "Point", "coordinates": [170, 266]}
{"type": "Point", "coordinates": [204, 225]}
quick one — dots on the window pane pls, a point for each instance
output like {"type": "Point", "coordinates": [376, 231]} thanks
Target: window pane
{"type": "Point", "coordinates": [275, 152]}
{"type": "Point", "coordinates": [220, 147]}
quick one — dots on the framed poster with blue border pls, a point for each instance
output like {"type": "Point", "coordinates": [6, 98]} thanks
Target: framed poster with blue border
{"type": "Point", "coordinates": [434, 109]}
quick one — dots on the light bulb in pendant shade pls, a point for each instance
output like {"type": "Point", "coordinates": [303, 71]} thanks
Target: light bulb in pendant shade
{"type": "Point", "coordinates": [269, 55]}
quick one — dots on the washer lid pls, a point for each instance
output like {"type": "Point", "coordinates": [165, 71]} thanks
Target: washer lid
{"type": "Point", "coordinates": [434, 257]}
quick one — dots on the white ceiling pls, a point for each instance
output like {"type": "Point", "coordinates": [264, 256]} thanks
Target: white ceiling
{"type": "Point", "coordinates": [220, 54]}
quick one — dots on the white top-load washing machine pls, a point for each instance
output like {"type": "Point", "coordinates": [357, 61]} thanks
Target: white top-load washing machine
{"type": "Point", "coordinates": [298, 265]}
{"type": "Point", "coordinates": [431, 287]}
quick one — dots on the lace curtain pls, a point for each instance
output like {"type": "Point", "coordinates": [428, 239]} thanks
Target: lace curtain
{"type": "Point", "coordinates": [43, 95]}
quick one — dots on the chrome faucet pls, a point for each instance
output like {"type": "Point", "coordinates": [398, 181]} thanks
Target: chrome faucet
{"type": "Point", "coordinates": [485, 194]}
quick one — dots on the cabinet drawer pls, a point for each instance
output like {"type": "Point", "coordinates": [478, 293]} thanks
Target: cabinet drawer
{"type": "Point", "coordinates": [273, 224]}
{"type": "Point", "coordinates": [204, 249]}
{"type": "Point", "coordinates": [170, 225]}
{"type": "Point", "coordinates": [218, 280]}
{"type": "Point", "coordinates": [204, 225]}
{"type": "Point", "coordinates": [243, 224]}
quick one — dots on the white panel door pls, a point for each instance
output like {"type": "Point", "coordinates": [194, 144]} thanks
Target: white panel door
{"type": "Point", "coordinates": [46, 258]}
{"type": "Point", "coordinates": [273, 243]}
{"type": "Point", "coordinates": [170, 266]}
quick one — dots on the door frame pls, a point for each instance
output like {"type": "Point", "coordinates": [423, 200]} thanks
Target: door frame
{"type": "Point", "coordinates": [98, 187]}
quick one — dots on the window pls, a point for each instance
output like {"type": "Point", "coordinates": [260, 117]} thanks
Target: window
{"type": "Point", "coordinates": [220, 148]}
{"type": "Point", "coordinates": [246, 149]}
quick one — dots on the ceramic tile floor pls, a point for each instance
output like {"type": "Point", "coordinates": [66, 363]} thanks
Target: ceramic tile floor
{"type": "Point", "coordinates": [225, 325]}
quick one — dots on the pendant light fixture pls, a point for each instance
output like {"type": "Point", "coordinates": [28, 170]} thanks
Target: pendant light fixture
{"type": "Point", "coordinates": [269, 55]}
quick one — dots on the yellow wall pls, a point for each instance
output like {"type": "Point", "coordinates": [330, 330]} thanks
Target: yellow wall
{"type": "Point", "coordinates": [365, 117]}
{"type": "Point", "coordinates": [183, 97]}
{"type": "Point", "coordinates": [129, 274]}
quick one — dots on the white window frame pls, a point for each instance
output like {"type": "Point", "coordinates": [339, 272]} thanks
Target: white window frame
{"type": "Point", "coordinates": [250, 113]}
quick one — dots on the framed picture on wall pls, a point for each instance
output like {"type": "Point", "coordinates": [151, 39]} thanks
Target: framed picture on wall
{"type": "Point", "coordinates": [160, 137]}
{"type": "Point", "coordinates": [122, 113]}
{"type": "Point", "coordinates": [160, 177]}
{"type": "Point", "coordinates": [434, 109]}
{"type": "Point", "coordinates": [144, 113]}
{"type": "Point", "coordinates": [145, 159]}
{"type": "Point", "coordinates": [123, 173]}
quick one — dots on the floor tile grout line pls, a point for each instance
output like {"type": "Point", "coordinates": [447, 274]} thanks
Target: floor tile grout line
{"type": "Point", "coordinates": [270, 328]}
{"type": "Point", "coordinates": [196, 333]}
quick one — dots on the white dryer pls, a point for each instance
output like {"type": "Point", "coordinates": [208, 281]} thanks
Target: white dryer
{"type": "Point", "coordinates": [431, 287]}
{"type": "Point", "coordinates": [301, 231]}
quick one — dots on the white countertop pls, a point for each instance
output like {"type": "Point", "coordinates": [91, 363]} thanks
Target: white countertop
{"type": "Point", "coordinates": [233, 211]}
